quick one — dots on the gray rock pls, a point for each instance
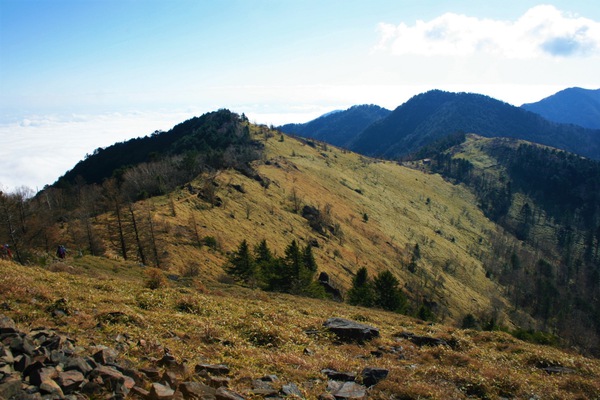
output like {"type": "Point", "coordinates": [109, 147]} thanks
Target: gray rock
{"type": "Point", "coordinates": [40, 375]}
{"type": "Point", "coordinates": [423, 340]}
{"type": "Point", "coordinates": [51, 387]}
{"type": "Point", "coordinates": [105, 356]}
{"type": "Point", "coordinates": [10, 387]}
{"type": "Point", "coordinates": [226, 394]}
{"type": "Point", "coordinates": [196, 390]}
{"type": "Point", "coordinates": [215, 369]}
{"type": "Point", "coordinates": [78, 364]}
{"type": "Point", "coordinates": [7, 325]}
{"type": "Point", "coordinates": [70, 381]}
{"type": "Point", "coordinates": [291, 389]}
{"type": "Point", "coordinates": [347, 390]}
{"type": "Point", "coordinates": [21, 362]}
{"type": "Point", "coordinates": [22, 345]}
{"type": "Point", "coordinates": [339, 376]}
{"type": "Point", "coordinates": [348, 330]}
{"type": "Point", "coordinates": [160, 392]}
{"type": "Point", "coordinates": [371, 376]}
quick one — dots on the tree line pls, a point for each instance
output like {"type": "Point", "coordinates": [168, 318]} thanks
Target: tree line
{"type": "Point", "coordinates": [295, 272]}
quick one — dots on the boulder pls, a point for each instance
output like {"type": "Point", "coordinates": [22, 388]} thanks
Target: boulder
{"type": "Point", "coordinates": [348, 330]}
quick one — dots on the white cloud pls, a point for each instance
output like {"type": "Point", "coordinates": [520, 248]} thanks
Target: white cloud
{"type": "Point", "coordinates": [542, 31]}
{"type": "Point", "coordinates": [37, 150]}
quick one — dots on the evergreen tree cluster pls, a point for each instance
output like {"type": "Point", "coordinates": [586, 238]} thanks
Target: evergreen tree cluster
{"type": "Point", "coordinates": [381, 292]}
{"type": "Point", "coordinates": [293, 273]}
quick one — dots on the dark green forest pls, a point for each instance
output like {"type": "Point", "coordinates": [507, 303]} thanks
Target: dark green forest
{"type": "Point", "coordinates": [558, 217]}
{"type": "Point", "coordinates": [214, 140]}
{"type": "Point", "coordinates": [430, 116]}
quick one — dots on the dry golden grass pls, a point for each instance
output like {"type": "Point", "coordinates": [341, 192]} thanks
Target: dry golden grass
{"type": "Point", "coordinates": [257, 334]}
{"type": "Point", "coordinates": [404, 207]}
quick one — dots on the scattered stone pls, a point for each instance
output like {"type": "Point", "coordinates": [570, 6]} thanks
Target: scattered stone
{"type": "Point", "coordinates": [371, 376]}
{"type": "Point", "coordinates": [291, 389]}
{"type": "Point", "coordinates": [423, 340]}
{"type": "Point", "coordinates": [70, 380]}
{"type": "Point", "coordinates": [40, 375]}
{"type": "Point", "coordinates": [215, 369]}
{"type": "Point", "coordinates": [269, 378]}
{"type": "Point", "coordinates": [168, 361]}
{"type": "Point", "coordinates": [7, 325]}
{"type": "Point", "coordinates": [265, 392]}
{"type": "Point", "coordinates": [10, 387]}
{"type": "Point", "coordinates": [140, 392]}
{"type": "Point", "coordinates": [558, 370]}
{"type": "Point", "coordinates": [348, 330]}
{"type": "Point", "coordinates": [196, 390]}
{"type": "Point", "coordinates": [346, 390]}
{"type": "Point", "coordinates": [218, 381]}
{"type": "Point", "coordinates": [160, 392]}
{"type": "Point", "coordinates": [226, 394]}
{"type": "Point", "coordinates": [51, 387]}
{"type": "Point", "coordinates": [78, 364]}
{"type": "Point", "coordinates": [152, 373]}
{"type": "Point", "coordinates": [105, 356]}
{"type": "Point", "coordinates": [339, 376]}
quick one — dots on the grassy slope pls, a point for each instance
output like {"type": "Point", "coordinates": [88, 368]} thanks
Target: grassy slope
{"type": "Point", "coordinates": [405, 207]}
{"type": "Point", "coordinates": [258, 333]}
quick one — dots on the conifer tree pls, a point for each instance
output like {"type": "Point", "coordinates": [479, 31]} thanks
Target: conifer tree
{"type": "Point", "coordinates": [266, 266]}
{"type": "Point", "coordinates": [308, 259]}
{"type": "Point", "coordinates": [241, 263]}
{"type": "Point", "coordinates": [361, 293]}
{"type": "Point", "coordinates": [387, 292]}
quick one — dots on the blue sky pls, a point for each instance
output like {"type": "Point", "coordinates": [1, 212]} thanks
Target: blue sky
{"type": "Point", "coordinates": [87, 73]}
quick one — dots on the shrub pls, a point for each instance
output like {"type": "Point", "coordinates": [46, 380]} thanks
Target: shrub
{"type": "Point", "coordinates": [211, 242]}
{"type": "Point", "coordinates": [155, 279]}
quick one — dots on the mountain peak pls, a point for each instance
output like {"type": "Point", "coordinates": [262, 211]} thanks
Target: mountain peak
{"type": "Point", "coordinates": [573, 105]}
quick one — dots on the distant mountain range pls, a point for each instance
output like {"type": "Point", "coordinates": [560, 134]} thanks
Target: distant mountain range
{"type": "Point", "coordinates": [570, 106]}
{"type": "Point", "coordinates": [430, 116]}
{"type": "Point", "coordinates": [338, 127]}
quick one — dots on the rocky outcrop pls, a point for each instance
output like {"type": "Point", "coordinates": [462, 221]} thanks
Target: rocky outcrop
{"type": "Point", "coordinates": [44, 365]}
{"type": "Point", "coordinates": [350, 331]}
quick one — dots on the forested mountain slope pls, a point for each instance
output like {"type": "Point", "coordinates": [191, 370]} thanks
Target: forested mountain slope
{"type": "Point", "coordinates": [570, 106]}
{"type": "Point", "coordinates": [338, 128]}
{"type": "Point", "coordinates": [430, 116]}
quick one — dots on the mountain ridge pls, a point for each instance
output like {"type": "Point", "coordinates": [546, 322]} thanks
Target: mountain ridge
{"type": "Point", "coordinates": [338, 127]}
{"type": "Point", "coordinates": [574, 105]}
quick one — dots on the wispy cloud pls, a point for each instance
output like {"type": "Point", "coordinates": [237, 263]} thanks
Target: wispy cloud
{"type": "Point", "coordinates": [542, 31]}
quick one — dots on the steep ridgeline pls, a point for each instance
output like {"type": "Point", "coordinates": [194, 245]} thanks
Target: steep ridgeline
{"type": "Point", "coordinates": [340, 127]}
{"type": "Point", "coordinates": [216, 139]}
{"type": "Point", "coordinates": [435, 114]}
{"type": "Point", "coordinates": [570, 106]}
